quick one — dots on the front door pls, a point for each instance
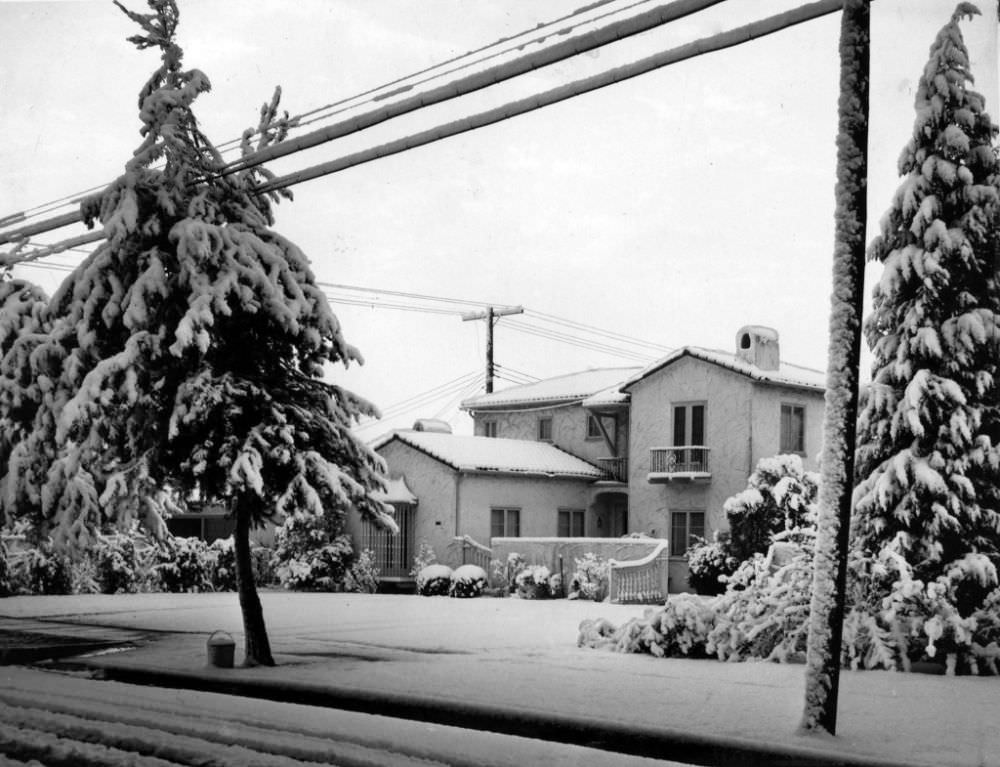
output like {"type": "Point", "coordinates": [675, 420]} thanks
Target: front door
{"type": "Point", "coordinates": [617, 519]}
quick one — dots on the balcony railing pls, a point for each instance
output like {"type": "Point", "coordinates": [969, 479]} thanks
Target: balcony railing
{"type": "Point", "coordinates": [681, 462]}
{"type": "Point", "coordinates": [614, 468]}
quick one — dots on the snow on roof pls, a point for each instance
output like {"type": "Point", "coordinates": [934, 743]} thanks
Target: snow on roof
{"type": "Point", "coordinates": [396, 491]}
{"type": "Point", "coordinates": [466, 453]}
{"type": "Point", "coordinates": [571, 387]}
{"type": "Point", "coordinates": [786, 374]}
{"type": "Point", "coordinates": [613, 395]}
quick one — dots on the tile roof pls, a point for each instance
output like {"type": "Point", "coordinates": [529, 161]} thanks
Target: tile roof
{"type": "Point", "coordinates": [571, 387]}
{"type": "Point", "coordinates": [465, 453]}
{"type": "Point", "coordinates": [786, 374]}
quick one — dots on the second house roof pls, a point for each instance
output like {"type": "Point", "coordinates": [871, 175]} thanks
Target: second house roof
{"type": "Point", "coordinates": [489, 454]}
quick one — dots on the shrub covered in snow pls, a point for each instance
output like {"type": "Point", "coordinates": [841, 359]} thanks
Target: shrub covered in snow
{"type": "Point", "coordinates": [533, 582]}
{"type": "Point", "coordinates": [468, 581]}
{"type": "Point", "coordinates": [41, 570]}
{"type": "Point", "coordinates": [425, 556]}
{"type": "Point", "coordinates": [780, 498]}
{"type": "Point", "coordinates": [434, 581]}
{"type": "Point", "coordinates": [710, 563]}
{"type": "Point", "coordinates": [116, 566]}
{"type": "Point", "coordinates": [181, 565]}
{"type": "Point", "coordinates": [505, 571]}
{"type": "Point", "coordinates": [590, 578]}
{"type": "Point", "coordinates": [363, 577]}
{"type": "Point", "coordinates": [311, 551]}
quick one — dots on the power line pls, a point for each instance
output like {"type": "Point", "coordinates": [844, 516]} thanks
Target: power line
{"type": "Point", "coordinates": [406, 294]}
{"type": "Point", "coordinates": [476, 81]}
{"type": "Point", "coordinates": [577, 341]}
{"type": "Point", "coordinates": [599, 331]}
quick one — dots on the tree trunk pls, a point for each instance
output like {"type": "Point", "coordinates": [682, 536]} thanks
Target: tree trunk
{"type": "Point", "coordinates": [826, 610]}
{"type": "Point", "coordinates": [256, 645]}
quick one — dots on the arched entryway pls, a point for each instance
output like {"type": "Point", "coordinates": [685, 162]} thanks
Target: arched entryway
{"type": "Point", "coordinates": [609, 515]}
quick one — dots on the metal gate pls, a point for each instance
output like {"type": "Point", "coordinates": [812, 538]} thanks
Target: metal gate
{"type": "Point", "coordinates": [393, 552]}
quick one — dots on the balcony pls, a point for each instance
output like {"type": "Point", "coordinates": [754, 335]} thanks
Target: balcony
{"type": "Point", "coordinates": [682, 463]}
{"type": "Point", "coordinates": [615, 469]}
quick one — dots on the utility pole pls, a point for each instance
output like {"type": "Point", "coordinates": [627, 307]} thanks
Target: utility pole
{"type": "Point", "coordinates": [491, 314]}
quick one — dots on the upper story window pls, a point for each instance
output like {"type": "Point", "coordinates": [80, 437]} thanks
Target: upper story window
{"type": "Point", "coordinates": [544, 429]}
{"type": "Point", "coordinates": [793, 429]}
{"type": "Point", "coordinates": [593, 427]}
{"type": "Point", "coordinates": [491, 429]}
{"type": "Point", "coordinates": [689, 424]}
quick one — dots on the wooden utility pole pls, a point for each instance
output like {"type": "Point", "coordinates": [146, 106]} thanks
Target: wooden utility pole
{"type": "Point", "coordinates": [491, 314]}
{"type": "Point", "coordinates": [827, 606]}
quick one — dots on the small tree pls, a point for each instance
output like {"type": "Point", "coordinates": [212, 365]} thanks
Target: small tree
{"type": "Point", "coordinates": [779, 498]}
{"type": "Point", "coordinates": [928, 454]}
{"type": "Point", "coordinates": [187, 352]}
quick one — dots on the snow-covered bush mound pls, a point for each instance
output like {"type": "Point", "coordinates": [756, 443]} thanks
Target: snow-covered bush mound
{"type": "Point", "coordinates": [434, 580]}
{"type": "Point", "coordinates": [590, 579]}
{"type": "Point", "coordinates": [533, 582]}
{"type": "Point", "coordinates": [468, 581]}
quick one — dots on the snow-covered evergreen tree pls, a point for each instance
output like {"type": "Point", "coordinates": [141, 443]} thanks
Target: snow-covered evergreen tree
{"type": "Point", "coordinates": [190, 350]}
{"type": "Point", "coordinates": [929, 434]}
{"type": "Point", "coordinates": [23, 325]}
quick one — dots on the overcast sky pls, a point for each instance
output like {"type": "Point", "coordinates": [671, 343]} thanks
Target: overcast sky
{"type": "Point", "coordinates": [674, 207]}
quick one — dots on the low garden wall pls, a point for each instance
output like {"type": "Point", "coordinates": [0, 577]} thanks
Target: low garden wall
{"type": "Point", "coordinates": [547, 551]}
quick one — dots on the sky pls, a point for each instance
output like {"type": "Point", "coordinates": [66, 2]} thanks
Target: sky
{"type": "Point", "coordinates": [673, 208]}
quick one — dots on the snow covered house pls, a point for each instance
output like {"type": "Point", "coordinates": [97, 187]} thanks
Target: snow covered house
{"type": "Point", "coordinates": [445, 486]}
{"type": "Point", "coordinates": [602, 453]}
{"type": "Point", "coordinates": [673, 440]}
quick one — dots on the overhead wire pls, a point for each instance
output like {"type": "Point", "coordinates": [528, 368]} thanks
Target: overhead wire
{"type": "Point", "coordinates": [578, 341]}
{"type": "Point", "coordinates": [559, 51]}
{"type": "Point", "coordinates": [369, 96]}
{"type": "Point", "coordinates": [598, 331]}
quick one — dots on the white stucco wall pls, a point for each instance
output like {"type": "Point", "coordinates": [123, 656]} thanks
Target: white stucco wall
{"type": "Point", "coordinates": [569, 429]}
{"type": "Point", "coordinates": [742, 425]}
{"type": "Point", "coordinates": [440, 490]}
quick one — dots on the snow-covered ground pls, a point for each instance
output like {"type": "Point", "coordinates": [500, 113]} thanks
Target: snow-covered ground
{"type": "Point", "coordinates": [514, 655]}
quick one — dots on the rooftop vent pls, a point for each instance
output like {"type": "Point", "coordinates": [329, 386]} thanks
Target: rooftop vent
{"type": "Point", "coordinates": [758, 345]}
{"type": "Point", "coordinates": [432, 424]}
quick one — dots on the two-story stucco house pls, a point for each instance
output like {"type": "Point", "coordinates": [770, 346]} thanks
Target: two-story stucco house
{"type": "Point", "coordinates": [658, 449]}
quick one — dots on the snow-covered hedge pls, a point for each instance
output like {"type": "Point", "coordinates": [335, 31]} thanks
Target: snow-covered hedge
{"type": "Point", "coordinates": [536, 582]}
{"type": "Point", "coordinates": [468, 581]}
{"type": "Point", "coordinates": [182, 565]}
{"type": "Point", "coordinates": [763, 615]}
{"type": "Point", "coordinates": [590, 579]}
{"type": "Point", "coordinates": [434, 580]}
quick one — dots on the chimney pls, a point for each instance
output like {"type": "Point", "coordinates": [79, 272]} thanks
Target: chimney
{"type": "Point", "coordinates": [758, 345]}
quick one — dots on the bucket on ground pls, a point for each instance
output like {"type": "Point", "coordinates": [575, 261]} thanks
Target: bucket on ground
{"type": "Point", "coordinates": [221, 649]}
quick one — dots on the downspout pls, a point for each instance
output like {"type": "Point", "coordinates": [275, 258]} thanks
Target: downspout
{"type": "Point", "coordinates": [458, 507]}
{"type": "Point", "coordinates": [750, 466]}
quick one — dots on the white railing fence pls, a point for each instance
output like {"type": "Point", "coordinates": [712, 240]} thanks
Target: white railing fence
{"type": "Point", "coordinates": [640, 581]}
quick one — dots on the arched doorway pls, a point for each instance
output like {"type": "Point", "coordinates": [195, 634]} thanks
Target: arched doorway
{"type": "Point", "coordinates": [609, 515]}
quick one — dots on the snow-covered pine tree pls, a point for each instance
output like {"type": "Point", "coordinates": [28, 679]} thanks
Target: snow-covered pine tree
{"type": "Point", "coordinates": [928, 452]}
{"type": "Point", "coordinates": [23, 325]}
{"type": "Point", "coordinates": [191, 347]}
